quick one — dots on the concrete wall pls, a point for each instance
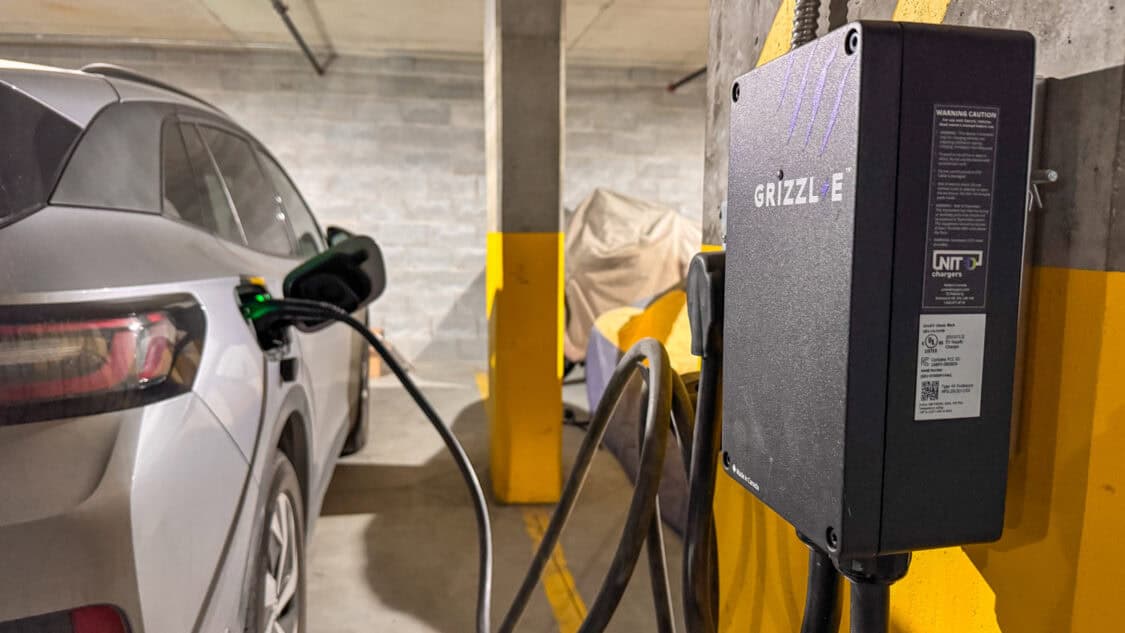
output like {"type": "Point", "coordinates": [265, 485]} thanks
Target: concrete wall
{"type": "Point", "coordinates": [394, 147]}
{"type": "Point", "coordinates": [1073, 38]}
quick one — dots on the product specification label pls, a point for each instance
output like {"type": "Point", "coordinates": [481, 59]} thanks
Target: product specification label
{"type": "Point", "coordinates": [950, 363]}
{"type": "Point", "coordinates": [962, 171]}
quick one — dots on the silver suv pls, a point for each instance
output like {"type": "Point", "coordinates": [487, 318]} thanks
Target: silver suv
{"type": "Point", "coordinates": [158, 471]}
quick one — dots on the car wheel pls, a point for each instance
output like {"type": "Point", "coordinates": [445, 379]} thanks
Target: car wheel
{"type": "Point", "coordinates": [278, 604]}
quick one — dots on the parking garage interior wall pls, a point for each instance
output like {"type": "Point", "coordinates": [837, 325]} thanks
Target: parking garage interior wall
{"type": "Point", "coordinates": [394, 147]}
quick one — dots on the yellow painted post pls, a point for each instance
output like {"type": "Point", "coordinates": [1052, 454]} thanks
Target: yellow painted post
{"type": "Point", "coordinates": [524, 96]}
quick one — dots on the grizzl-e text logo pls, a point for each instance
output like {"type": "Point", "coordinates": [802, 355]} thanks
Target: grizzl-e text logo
{"type": "Point", "coordinates": [800, 191]}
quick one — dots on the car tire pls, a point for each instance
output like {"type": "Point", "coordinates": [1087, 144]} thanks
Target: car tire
{"type": "Point", "coordinates": [278, 596]}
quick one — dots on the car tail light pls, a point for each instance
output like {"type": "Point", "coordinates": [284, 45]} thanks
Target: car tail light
{"type": "Point", "coordinates": [66, 360]}
{"type": "Point", "coordinates": [93, 619]}
{"type": "Point", "coordinates": [98, 619]}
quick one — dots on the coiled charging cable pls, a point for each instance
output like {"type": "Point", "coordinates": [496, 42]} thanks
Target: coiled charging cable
{"type": "Point", "coordinates": [667, 407]}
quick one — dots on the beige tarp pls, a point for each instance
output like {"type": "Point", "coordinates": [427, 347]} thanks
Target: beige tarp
{"type": "Point", "coordinates": [620, 251]}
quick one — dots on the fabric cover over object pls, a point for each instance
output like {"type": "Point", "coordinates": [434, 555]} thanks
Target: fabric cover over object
{"type": "Point", "coordinates": [620, 251]}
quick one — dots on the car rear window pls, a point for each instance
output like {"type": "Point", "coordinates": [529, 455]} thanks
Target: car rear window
{"type": "Point", "coordinates": [193, 191]}
{"type": "Point", "coordinates": [255, 201]}
{"type": "Point", "coordinates": [34, 144]}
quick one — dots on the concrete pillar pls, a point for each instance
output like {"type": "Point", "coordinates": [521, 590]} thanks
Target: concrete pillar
{"type": "Point", "coordinates": [524, 97]}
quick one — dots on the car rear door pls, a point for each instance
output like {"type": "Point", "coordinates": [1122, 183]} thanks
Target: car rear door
{"type": "Point", "coordinates": [310, 240]}
{"type": "Point", "coordinates": [264, 220]}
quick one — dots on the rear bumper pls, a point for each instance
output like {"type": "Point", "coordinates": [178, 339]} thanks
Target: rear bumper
{"type": "Point", "coordinates": [131, 509]}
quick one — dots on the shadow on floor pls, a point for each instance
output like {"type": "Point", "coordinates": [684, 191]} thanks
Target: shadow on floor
{"type": "Point", "coordinates": [399, 523]}
{"type": "Point", "coordinates": [421, 541]}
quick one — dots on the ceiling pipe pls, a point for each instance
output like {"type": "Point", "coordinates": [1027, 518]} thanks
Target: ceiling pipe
{"type": "Point", "coordinates": [675, 85]}
{"type": "Point", "coordinates": [318, 66]}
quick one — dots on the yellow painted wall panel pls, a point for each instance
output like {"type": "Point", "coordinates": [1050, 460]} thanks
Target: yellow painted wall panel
{"type": "Point", "coordinates": [1101, 565]}
{"type": "Point", "coordinates": [761, 564]}
{"type": "Point", "coordinates": [779, 35]}
{"type": "Point", "coordinates": [927, 11]}
{"type": "Point", "coordinates": [1033, 568]}
{"type": "Point", "coordinates": [1060, 565]}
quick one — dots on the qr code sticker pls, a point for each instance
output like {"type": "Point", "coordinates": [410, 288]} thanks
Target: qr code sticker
{"type": "Point", "coordinates": [930, 390]}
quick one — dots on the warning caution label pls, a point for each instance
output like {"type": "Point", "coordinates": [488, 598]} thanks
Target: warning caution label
{"type": "Point", "coordinates": [950, 364]}
{"type": "Point", "coordinates": [959, 219]}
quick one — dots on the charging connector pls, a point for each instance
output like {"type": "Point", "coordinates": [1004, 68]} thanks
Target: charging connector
{"type": "Point", "coordinates": [258, 308]}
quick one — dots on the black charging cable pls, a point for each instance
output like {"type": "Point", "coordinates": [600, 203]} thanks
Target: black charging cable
{"type": "Point", "coordinates": [871, 580]}
{"type": "Point", "coordinates": [683, 426]}
{"type": "Point", "coordinates": [871, 607]}
{"type": "Point", "coordinates": [643, 505]}
{"type": "Point", "coordinates": [699, 445]}
{"type": "Point", "coordinates": [664, 387]}
{"type": "Point", "coordinates": [705, 290]}
{"type": "Point", "coordinates": [822, 593]}
{"type": "Point", "coordinates": [667, 406]}
{"type": "Point", "coordinates": [298, 309]}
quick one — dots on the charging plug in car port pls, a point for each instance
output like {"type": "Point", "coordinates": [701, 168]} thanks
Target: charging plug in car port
{"type": "Point", "coordinates": [253, 300]}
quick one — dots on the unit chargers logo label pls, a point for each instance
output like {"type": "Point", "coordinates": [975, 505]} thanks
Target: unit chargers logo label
{"type": "Point", "coordinates": [954, 264]}
{"type": "Point", "coordinates": [800, 191]}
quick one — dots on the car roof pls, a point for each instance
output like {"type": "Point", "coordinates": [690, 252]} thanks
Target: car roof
{"type": "Point", "coordinates": [74, 95]}
{"type": "Point", "coordinates": [78, 95]}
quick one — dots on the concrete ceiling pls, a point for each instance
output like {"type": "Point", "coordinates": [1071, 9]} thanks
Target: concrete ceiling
{"type": "Point", "coordinates": [625, 32]}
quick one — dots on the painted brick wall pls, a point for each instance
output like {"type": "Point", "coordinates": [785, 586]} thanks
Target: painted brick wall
{"type": "Point", "coordinates": [394, 147]}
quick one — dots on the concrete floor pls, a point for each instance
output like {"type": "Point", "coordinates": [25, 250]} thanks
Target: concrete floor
{"type": "Point", "coordinates": [395, 547]}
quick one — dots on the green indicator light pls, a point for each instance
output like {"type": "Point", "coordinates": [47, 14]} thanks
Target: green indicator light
{"type": "Point", "coordinates": [256, 312]}
{"type": "Point", "coordinates": [261, 298]}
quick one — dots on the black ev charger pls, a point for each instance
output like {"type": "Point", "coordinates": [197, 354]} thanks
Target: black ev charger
{"type": "Point", "coordinates": [875, 233]}
{"type": "Point", "coordinates": [877, 187]}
